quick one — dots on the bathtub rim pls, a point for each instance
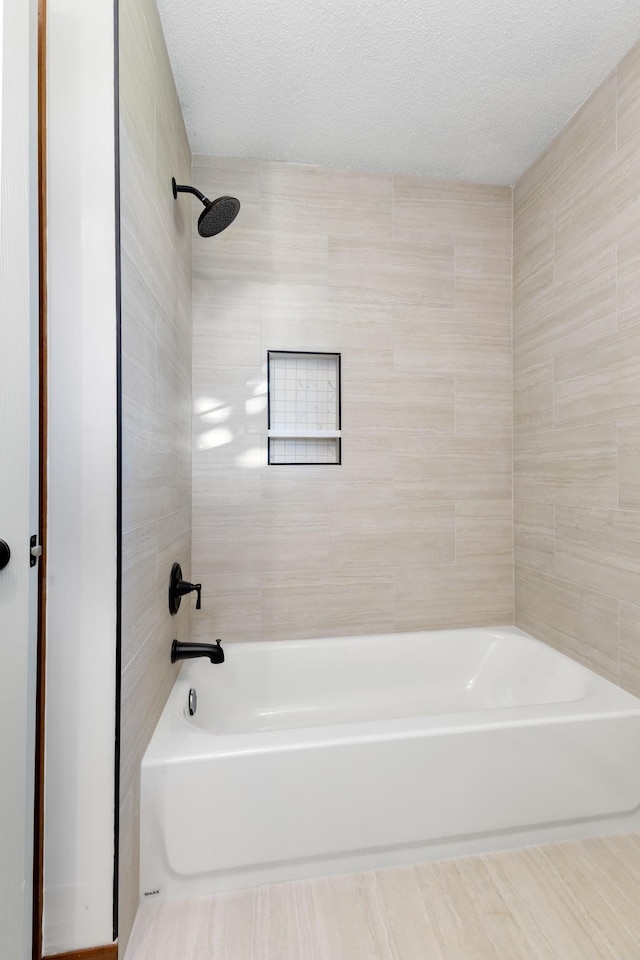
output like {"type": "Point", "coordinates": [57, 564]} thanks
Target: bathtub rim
{"type": "Point", "coordinates": [175, 740]}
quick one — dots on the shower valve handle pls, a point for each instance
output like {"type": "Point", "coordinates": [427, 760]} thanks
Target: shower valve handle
{"type": "Point", "coordinates": [183, 587]}
{"type": "Point", "coordinates": [178, 588]}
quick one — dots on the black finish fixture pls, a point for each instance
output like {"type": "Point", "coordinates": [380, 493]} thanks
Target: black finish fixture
{"type": "Point", "coordinates": [190, 651]}
{"type": "Point", "coordinates": [217, 214]}
{"type": "Point", "coordinates": [5, 554]}
{"type": "Point", "coordinates": [178, 588]}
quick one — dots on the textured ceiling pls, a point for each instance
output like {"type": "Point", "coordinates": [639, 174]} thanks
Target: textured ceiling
{"type": "Point", "coordinates": [464, 89]}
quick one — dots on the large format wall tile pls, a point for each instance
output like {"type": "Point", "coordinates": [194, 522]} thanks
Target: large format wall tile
{"type": "Point", "coordinates": [312, 200]}
{"type": "Point", "coordinates": [581, 623]}
{"type": "Point", "coordinates": [339, 602]}
{"type": "Point", "coordinates": [599, 382]}
{"type": "Point", "coordinates": [577, 149]}
{"type": "Point", "coordinates": [231, 605]}
{"type": "Point", "coordinates": [242, 541]}
{"type": "Point", "coordinates": [228, 330]}
{"type": "Point", "coordinates": [568, 314]}
{"type": "Point", "coordinates": [482, 277]}
{"type": "Point", "coordinates": [533, 252]}
{"type": "Point", "coordinates": [373, 270]}
{"type": "Point", "coordinates": [427, 341]}
{"type": "Point", "coordinates": [257, 264]}
{"type": "Point", "coordinates": [630, 647]}
{"type": "Point", "coordinates": [629, 465]}
{"type": "Point", "coordinates": [409, 279]}
{"type": "Point", "coordinates": [440, 211]}
{"type": "Point", "coordinates": [628, 90]}
{"type": "Point", "coordinates": [484, 530]}
{"type": "Point", "coordinates": [420, 404]}
{"type": "Point", "coordinates": [628, 275]}
{"type": "Point", "coordinates": [576, 344]}
{"type": "Point", "coordinates": [567, 466]}
{"type": "Point", "coordinates": [363, 334]}
{"type": "Point", "coordinates": [156, 402]}
{"type": "Point", "coordinates": [398, 533]}
{"type": "Point", "coordinates": [484, 403]}
{"type": "Point", "coordinates": [480, 593]}
{"type": "Point", "coordinates": [533, 398]}
{"type": "Point", "coordinates": [458, 468]}
{"type": "Point", "coordinates": [599, 549]}
{"type": "Point", "coordinates": [140, 607]}
{"type": "Point", "coordinates": [534, 530]}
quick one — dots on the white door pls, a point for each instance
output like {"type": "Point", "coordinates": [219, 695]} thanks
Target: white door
{"type": "Point", "coordinates": [18, 468]}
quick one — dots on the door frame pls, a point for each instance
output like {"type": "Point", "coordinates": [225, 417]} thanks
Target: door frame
{"type": "Point", "coordinates": [38, 820]}
{"type": "Point", "coordinates": [54, 69]}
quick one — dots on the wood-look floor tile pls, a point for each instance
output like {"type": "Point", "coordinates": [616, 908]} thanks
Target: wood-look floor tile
{"type": "Point", "coordinates": [350, 919]}
{"type": "Point", "coordinates": [550, 929]}
{"type": "Point", "coordinates": [592, 867]}
{"type": "Point", "coordinates": [592, 920]}
{"type": "Point", "coordinates": [409, 915]}
{"type": "Point", "coordinates": [566, 901]}
{"type": "Point", "coordinates": [453, 906]}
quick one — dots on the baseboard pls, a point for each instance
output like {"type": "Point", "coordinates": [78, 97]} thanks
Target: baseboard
{"type": "Point", "coordinates": [110, 952]}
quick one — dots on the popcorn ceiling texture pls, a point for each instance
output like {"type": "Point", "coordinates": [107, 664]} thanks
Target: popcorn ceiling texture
{"type": "Point", "coordinates": [462, 90]}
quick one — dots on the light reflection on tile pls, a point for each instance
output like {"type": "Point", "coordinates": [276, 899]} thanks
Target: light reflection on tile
{"type": "Point", "coordinates": [426, 405]}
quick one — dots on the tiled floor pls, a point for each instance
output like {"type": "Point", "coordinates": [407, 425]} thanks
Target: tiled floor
{"type": "Point", "coordinates": [569, 901]}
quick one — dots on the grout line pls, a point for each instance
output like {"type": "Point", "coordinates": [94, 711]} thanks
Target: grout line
{"type": "Point", "coordinates": [617, 466]}
{"type": "Point", "coordinates": [513, 383]}
{"type": "Point", "coordinates": [393, 207]}
{"type": "Point", "coordinates": [617, 105]}
{"type": "Point", "coordinates": [619, 652]}
{"type": "Point", "coordinates": [618, 326]}
{"type": "Point", "coordinates": [455, 531]}
{"type": "Point", "coordinates": [455, 406]}
{"type": "Point", "coordinates": [553, 248]}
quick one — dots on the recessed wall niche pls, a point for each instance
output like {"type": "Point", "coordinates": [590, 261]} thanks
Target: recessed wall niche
{"type": "Point", "coordinates": [304, 407]}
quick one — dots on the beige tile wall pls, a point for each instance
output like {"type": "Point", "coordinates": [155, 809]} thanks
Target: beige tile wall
{"type": "Point", "coordinates": [576, 346]}
{"type": "Point", "coordinates": [156, 401]}
{"type": "Point", "coordinates": [410, 279]}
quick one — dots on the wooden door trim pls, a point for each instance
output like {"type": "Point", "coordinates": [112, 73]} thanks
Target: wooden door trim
{"type": "Point", "coordinates": [108, 952]}
{"type": "Point", "coordinates": [38, 831]}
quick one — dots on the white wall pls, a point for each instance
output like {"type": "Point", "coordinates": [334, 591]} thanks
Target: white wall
{"type": "Point", "coordinates": [81, 615]}
{"type": "Point", "coordinates": [19, 470]}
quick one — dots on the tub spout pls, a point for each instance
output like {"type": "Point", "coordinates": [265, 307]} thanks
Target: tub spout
{"type": "Point", "coordinates": [189, 651]}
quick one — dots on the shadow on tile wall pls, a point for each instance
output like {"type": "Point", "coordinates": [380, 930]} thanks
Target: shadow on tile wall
{"type": "Point", "coordinates": [576, 376]}
{"type": "Point", "coordinates": [156, 402]}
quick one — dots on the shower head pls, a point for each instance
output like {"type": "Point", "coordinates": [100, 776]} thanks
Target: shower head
{"type": "Point", "coordinates": [217, 214]}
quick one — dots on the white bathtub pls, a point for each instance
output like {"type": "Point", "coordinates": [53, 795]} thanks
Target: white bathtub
{"type": "Point", "coordinates": [319, 756]}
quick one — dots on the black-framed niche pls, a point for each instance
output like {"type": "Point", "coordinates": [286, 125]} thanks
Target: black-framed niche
{"type": "Point", "coordinates": [304, 408]}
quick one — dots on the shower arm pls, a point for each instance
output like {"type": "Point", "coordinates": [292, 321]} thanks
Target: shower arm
{"type": "Point", "coordinates": [179, 188]}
